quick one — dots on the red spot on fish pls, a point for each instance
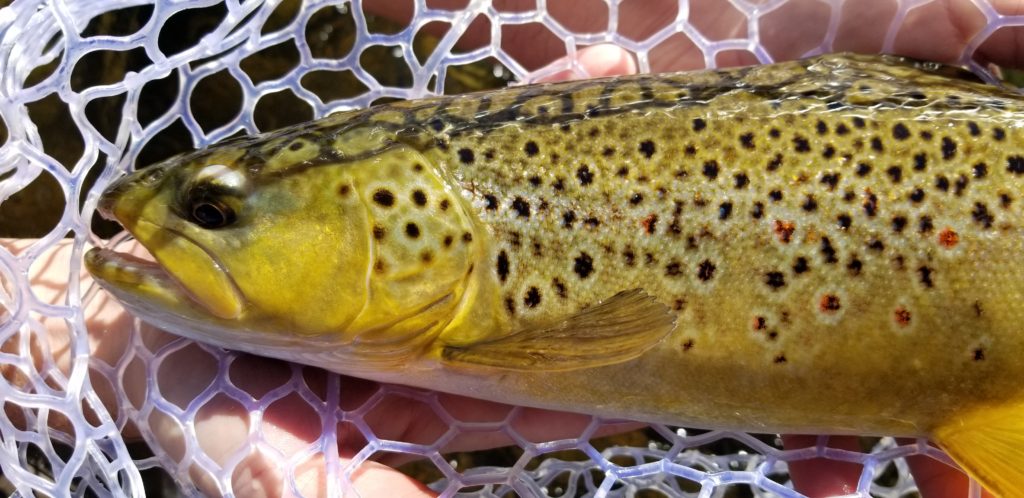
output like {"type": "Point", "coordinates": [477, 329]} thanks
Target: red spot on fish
{"type": "Point", "coordinates": [649, 223]}
{"type": "Point", "coordinates": [948, 238]}
{"type": "Point", "coordinates": [902, 316]}
{"type": "Point", "coordinates": [784, 230]}
{"type": "Point", "coordinates": [829, 303]}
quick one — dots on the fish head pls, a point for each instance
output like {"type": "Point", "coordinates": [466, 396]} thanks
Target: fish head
{"type": "Point", "coordinates": [283, 237]}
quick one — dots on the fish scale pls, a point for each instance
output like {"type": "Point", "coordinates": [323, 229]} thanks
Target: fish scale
{"type": "Point", "coordinates": [820, 246]}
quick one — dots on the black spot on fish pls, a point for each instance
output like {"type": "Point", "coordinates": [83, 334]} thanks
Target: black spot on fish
{"type": "Point", "coordinates": [448, 239]}
{"type": "Point", "coordinates": [757, 212]}
{"type": "Point", "coordinates": [775, 279]}
{"type": "Point", "coordinates": [926, 276]}
{"type": "Point", "coordinates": [863, 169]}
{"type": "Point", "coordinates": [699, 124]}
{"type": "Point", "coordinates": [466, 156]}
{"type": "Point", "coordinates": [900, 131]}
{"type": "Point", "coordinates": [775, 162]}
{"type": "Point", "coordinates": [521, 207]}
{"type": "Point", "coordinates": [419, 198]}
{"type": "Point", "coordinates": [568, 218]}
{"type": "Point", "coordinates": [531, 148]}
{"type": "Point", "coordinates": [492, 202]}
{"type": "Point", "coordinates": [673, 269]}
{"type": "Point", "coordinates": [999, 134]}
{"type": "Point", "coordinates": [502, 266]}
{"type": "Point", "coordinates": [510, 305]}
{"type": "Point", "coordinates": [344, 190]}
{"type": "Point", "coordinates": [980, 170]}
{"type": "Point", "coordinates": [895, 173]}
{"type": "Point", "coordinates": [858, 122]}
{"type": "Point", "coordinates": [636, 198]}
{"type": "Point", "coordinates": [960, 185]}
{"type": "Point", "coordinates": [925, 224]}
{"type": "Point", "coordinates": [724, 210]}
{"type": "Point", "coordinates": [899, 223]}
{"type": "Point", "coordinates": [831, 180]}
{"type": "Point", "coordinates": [592, 222]}
{"type": "Point", "coordinates": [978, 354]}
{"type": "Point", "coordinates": [800, 144]}
{"type": "Point", "coordinates": [559, 288]}
{"type": "Point", "coordinates": [711, 169]}
{"type": "Point", "coordinates": [1015, 165]}
{"type": "Point", "coordinates": [942, 183]}
{"type": "Point", "coordinates": [844, 221]}
{"type": "Point", "coordinates": [809, 204]}
{"type": "Point", "coordinates": [870, 203]}
{"type": "Point", "coordinates": [948, 148]}
{"type": "Point", "coordinates": [647, 148]}
{"type": "Point", "coordinates": [412, 230]}
{"type": "Point", "coordinates": [821, 127]}
{"type": "Point", "coordinates": [467, 237]}
{"type": "Point", "coordinates": [608, 152]}
{"type": "Point", "coordinates": [982, 216]}
{"type": "Point", "coordinates": [876, 144]}
{"type": "Point", "coordinates": [384, 198]}
{"type": "Point", "coordinates": [629, 257]}
{"type": "Point", "coordinates": [842, 129]}
{"type": "Point", "coordinates": [828, 251]}
{"type": "Point", "coordinates": [705, 270]}
{"type": "Point", "coordinates": [800, 265]}
{"type": "Point", "coordinates": [296, 145]}
{"type": "Point", "coordinates": [775, 195]}
{"type": "Point", "coordinates": [534, 180]}
{"type": "Point", "coordinates": [828, 152]}
{"type": "Point", "coordinates": [973, 127]}
{"type": "Point", "coordinates": [774, 133]}
{"type": "Point", "coordinates": [444, 204]}
{"type": "Point", "coordinates": [854, 266]}
{"type": "Point", "coordinates": [379, 232]}
{"type": "Point", "coordinates": [920, 161]}
{"type": "Point", "coordinates": [741, 180]}
{"type": "Point", "coordinates": [747, 140]}
{"type": "Point", "coordinates": [532, 298]}
{"type": "Point", "coordinates": [917, 195]}
{"type": "Point", "coordinates": [583, 265]}
{"type": "Point", "coordinates": [584, 175]}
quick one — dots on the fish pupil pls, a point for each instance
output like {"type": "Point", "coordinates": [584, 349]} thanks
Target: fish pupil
{"type": "Point", "coordinates": [212, 214]}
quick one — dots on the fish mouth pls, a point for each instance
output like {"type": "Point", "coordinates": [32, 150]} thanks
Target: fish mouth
{"type": "Point", "coordinates": [182, 275]}
{"type": "Point", "coordinates": [133, 278]}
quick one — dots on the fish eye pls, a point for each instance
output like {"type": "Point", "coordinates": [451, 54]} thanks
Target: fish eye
{"type": "Point", "coordinates": [211, 214]}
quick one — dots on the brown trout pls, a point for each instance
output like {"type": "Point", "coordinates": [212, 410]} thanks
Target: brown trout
{"type": "Point", "coordinates": [821, 246]}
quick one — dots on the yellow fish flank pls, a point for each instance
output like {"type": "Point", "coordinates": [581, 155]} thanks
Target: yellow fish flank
{"type": "Point", "coordinates": [824, 246]}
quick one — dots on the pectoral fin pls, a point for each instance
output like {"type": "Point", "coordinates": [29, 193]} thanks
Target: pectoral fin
{"type": "Point", "coordinates": [616, 330]}
{"type": "Point", "coordinates": [989, 444]}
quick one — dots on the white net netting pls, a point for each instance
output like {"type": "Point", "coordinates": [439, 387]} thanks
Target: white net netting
{"type": "Point", "coordinates": [91, 89]}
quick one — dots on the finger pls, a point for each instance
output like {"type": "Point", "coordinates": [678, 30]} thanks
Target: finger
{"type": "Point", "coordinates": [936, 479]}
{"type": "Point", "coordinates": [821, 477]}
{"type": "Point", "coordinates": [591, 62]}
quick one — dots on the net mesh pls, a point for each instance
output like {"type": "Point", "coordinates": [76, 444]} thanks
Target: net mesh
{"type": "Point", "coordinates": [57, 437]}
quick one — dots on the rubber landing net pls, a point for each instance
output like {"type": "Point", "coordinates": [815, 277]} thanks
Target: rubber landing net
{"type": "Point", "coordinates": [56, 436]}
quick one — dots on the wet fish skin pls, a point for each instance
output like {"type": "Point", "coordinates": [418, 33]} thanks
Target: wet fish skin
{"type": "Point", "coordinates": [825, 246]}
